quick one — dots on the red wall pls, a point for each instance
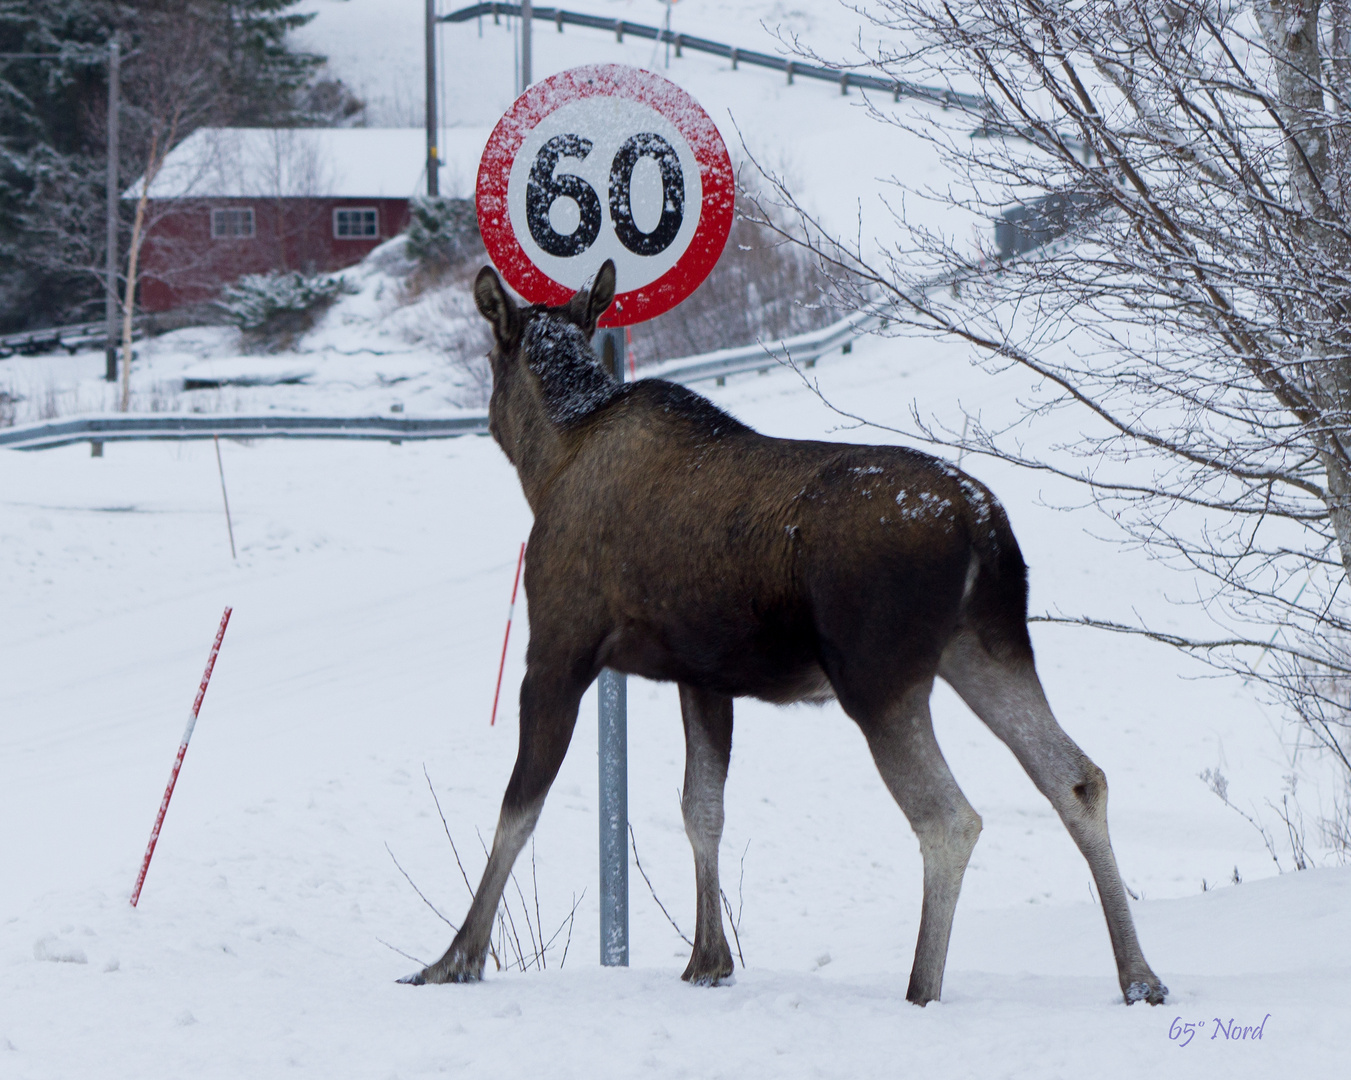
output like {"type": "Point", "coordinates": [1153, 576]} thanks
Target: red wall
{"type": "Point", "coordinates": [182, 264]}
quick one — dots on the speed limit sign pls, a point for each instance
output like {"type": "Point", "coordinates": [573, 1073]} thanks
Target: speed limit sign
{"type": "Point", "coordinates": [606, 162]}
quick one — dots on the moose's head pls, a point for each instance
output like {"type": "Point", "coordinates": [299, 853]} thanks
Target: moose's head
{"type": "Point", "coordinates": [542, 363]}
{"type": "Point", "coordinates": [509, 322]}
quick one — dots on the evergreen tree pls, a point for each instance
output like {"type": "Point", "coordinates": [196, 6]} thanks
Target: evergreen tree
{"type": "Point", "coordinates": [42, 102]}
{"type": "Point", "coordinates": [53, 114]}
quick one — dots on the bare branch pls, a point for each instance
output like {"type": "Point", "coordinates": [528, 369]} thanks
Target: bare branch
{"type": "Point", "coordinates": [638, 862]}
{"type": "Point", "coordinates": [423, 898]}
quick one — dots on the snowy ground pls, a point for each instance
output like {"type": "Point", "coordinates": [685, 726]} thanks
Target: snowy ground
{"type": "Point", "coordinates": [369, 596]}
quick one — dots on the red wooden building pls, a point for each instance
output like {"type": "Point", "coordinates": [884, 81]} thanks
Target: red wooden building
{"type": "Point", "coordinates": [234, 201]}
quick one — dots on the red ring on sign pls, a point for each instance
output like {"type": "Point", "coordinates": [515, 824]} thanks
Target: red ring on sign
{"type": "Point", "coordinates": [658, 94]}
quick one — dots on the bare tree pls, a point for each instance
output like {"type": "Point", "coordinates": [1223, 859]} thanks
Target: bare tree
{"type": "Point", "coordinates": [174, 61]}
{"type": "Point", "coordinates": [762, 289]}
{"type": "Point", "coordinates": [1197, 155]}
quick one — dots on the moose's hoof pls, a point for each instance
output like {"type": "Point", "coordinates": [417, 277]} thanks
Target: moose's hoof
{"type": "Point", "coordinates": [708, 978]}
{"type": "Point", "coordinates": [454, 967]}
{"type": "Point", "coordinates": [920, 996]}
{"type": "Point", "coordinates": [708, 971]}
{"type": "Point", "coordinates": [435, 974]}
{"type": "Point", "coordinates": [1150, 990]}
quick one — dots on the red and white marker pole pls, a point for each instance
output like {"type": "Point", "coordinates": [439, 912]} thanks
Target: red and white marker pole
{"type": "Point", "coordinates": [178, 761]}
{"type": "Point", "coordinates": [501, 667]}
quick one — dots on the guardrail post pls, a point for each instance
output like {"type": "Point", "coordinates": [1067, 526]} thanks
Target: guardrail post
{"type": "Point", "coordinates": [613, 769]}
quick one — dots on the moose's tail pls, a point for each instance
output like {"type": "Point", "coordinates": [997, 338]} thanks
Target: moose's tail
{"type": "Point", "coordinates": [996, 606]}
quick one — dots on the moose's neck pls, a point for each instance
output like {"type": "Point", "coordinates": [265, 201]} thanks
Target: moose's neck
{"type": "Point", "coordinates": [556, 385]}
{"type": "Point", "coordinates": [537, 446]}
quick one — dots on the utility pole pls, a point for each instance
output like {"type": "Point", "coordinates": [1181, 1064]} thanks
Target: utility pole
{"type": "Point", "coordinates": [527, 20]}
{"type": "Point", "coordinates": [613, 767]}
{"type": "Point", "coordinates": [667, 35]}
{"type": "Point", "coordinates": [433, 157]}
{"type": "Point", "coordinates": [110, 280]}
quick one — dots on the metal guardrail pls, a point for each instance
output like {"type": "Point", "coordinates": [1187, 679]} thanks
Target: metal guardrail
{"type": "Point", "coordinates": [125, 427]}
{"type": "Point", "coordinates": [72, 338]}
{"type": "Point", "coordinates": [898, 88]}
{"type": "Point", "coordinates": [50, 338]}
{"type": "Point", "coordinates": [804, 349]}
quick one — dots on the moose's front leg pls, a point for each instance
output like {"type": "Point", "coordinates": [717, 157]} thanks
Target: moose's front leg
{"type": "Point", "coordinates": [549, 701]}
{"type": "Point", "coordinates": [708, 748]}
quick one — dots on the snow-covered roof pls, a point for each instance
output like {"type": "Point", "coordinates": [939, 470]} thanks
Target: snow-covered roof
{"type": "Point", "coordinates": [361, 163]}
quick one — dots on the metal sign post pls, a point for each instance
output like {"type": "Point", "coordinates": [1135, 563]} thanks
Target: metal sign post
{"type": "Point", "coordinates": [613, 767]}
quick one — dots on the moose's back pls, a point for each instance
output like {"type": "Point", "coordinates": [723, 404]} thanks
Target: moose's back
{"type": "Point", "coordinates": [699, 550]}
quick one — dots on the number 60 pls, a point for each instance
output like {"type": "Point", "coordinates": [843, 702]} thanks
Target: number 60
{"type": "Point", "coordinates": [543, 188]}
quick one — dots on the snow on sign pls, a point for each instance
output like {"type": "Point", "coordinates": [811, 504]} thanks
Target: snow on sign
{"type": "Point", "coordinates": [605, 162]}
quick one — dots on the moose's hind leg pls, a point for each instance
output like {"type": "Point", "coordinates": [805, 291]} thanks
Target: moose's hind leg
{"type": "Point", "coordinates": [708, 748]}
{"type": "Point", "coordinates": [908, 757]}
{"type": "Point", "coordinates": [1007, 695]}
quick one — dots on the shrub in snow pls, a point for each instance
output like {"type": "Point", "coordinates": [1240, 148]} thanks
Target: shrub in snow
{"type": "Point", "coordinates": [273, 308]}
{"type": "Point", "coordinates": [255, 299]}
{"type": "Point", "coordinates": [442, 232]}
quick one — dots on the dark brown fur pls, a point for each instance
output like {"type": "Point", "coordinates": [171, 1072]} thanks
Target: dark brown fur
{"type": "Point", "coordinates": [672, 541]}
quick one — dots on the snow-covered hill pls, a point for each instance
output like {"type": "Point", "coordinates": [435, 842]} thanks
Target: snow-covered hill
{"type": "Point", "coordinates": [384, 344]}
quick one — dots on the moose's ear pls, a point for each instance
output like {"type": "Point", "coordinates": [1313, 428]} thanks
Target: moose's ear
{"type": "Point", "coordinates": [586, 308]}
{"type": "Point", "coordinates": [497, 307]}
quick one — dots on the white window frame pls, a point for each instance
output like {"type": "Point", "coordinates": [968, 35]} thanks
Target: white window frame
{"type": "Point", "coordinates": [241, 214]}
{"type": "Point", "coordinates": [374, 213]}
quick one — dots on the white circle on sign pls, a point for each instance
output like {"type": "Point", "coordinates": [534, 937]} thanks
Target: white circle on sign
{"type": "Point", "coordinates": [607, 123]}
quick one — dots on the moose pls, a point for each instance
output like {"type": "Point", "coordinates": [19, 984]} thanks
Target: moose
{"type": "Point", "coordinates": [673, 542]}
